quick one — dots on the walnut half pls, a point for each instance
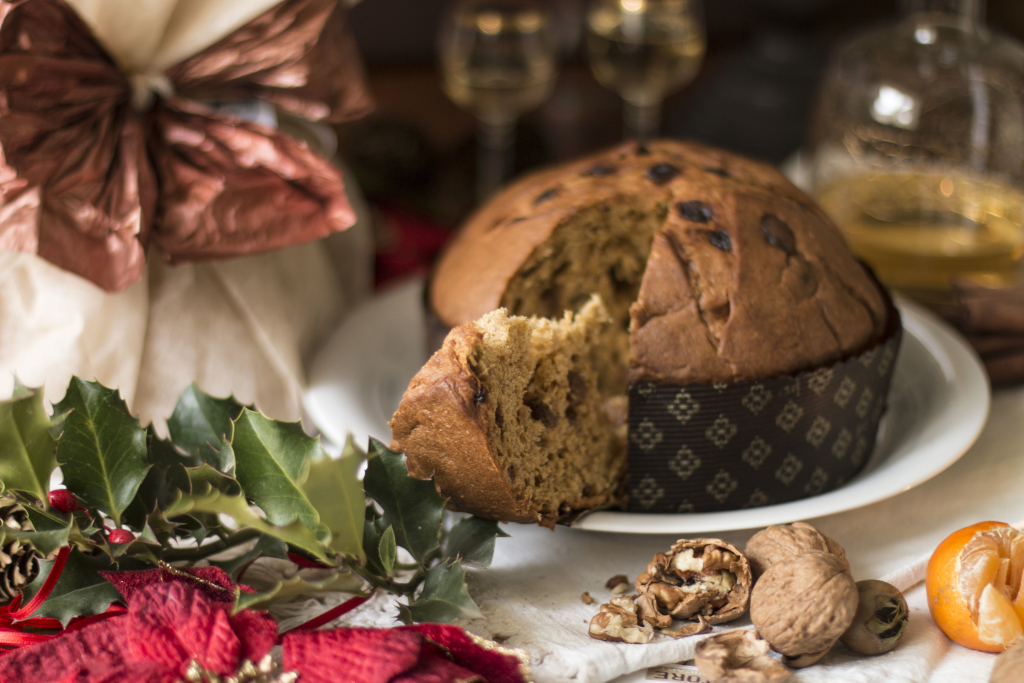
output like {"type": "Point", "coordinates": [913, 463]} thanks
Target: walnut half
{"type": "Point", "coordinates": [701, 577]}
{"type": "Point", "coordinates": [738, 657]}
{"type": "Point", "coordinates": [617, 621]}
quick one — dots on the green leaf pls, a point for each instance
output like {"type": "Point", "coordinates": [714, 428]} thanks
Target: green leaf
{"type": "Point", "coordinates": [445, 597]}
{"type": "Point", "coordinates": [200, 424]}
{"type": "Point", "coordinates": [266, 546]}
{"type": "Point", "coordinates": [217, 502]}
{"type": "Point", "coordinates": [46, 520]}
{"type": "Point", "coordinates": [26, 443]}
{"type": "Point", "coordinates": [272, 464]}
{"type": "Point", "coordinates": [80, 590]}
{"type": "Point", "coordinates": [340, 582]}
{"type": "Point", "coordinates": [387, 550]}
{"type": "Point", "coordinates": [44, 541]}
{"type": "Point", "coordinates": [334, 490]}
{"type": "Point", "coordinates": [472, 541]}
{"type": "Point", "coordinates": [371, 549]}
{"type": "Point", "coordinates": [102, 452]}
{"type": "Point", "coordinates": [412, 506]}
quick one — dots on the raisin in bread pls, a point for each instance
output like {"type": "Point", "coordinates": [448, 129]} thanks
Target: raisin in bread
{"type": "Point", "coordinates": [511, 419]}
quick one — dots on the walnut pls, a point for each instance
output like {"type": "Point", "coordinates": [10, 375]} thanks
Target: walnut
{"type": "Point", "coordinates": [775, 543]}
{"type": "Point", "coordinates": [693, 628]}
{"type": "Point", "coordinates": [738, 657]}
{"type": "Point", "coordinates": [803, 604]}
{"type": "Point", "coordinates": [618, 584]}
{"type": "Point", "coordinates": [1009, 665]}
{"type": "Point", "coordinates": [880, 621]}
{"type": "Point", "coordinates": [617, 622]}
{"type": "Point", "coordinates": [585, 597]}
{"type": "Point", "coordinates": [700, 577]}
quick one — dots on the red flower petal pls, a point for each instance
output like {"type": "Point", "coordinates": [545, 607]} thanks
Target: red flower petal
{"type": "Point", "coordinates": [93, 647]}
{"type": "Point", "coordinates": [355, 655]}
{"type": "Point", "coordinates": [257, 632]}
{"type": "Point", "coordinates": [494, 666]}
{"type": "Point", "coordinates": [433, 668]}
{"type": "Point", "coordinates": [130, 582]}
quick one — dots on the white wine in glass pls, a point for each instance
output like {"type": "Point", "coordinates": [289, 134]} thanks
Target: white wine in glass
{"type": "Point", "coordinates": [498, 62]}
{"type": "Point", "coordinates": [644, 50]}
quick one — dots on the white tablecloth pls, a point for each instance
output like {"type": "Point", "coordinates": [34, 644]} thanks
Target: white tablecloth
{"type": "Point", "coordinates": [531, 594]}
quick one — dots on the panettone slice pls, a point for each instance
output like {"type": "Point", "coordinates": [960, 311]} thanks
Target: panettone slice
{"type": "Point", "coordinates": [514, 418]}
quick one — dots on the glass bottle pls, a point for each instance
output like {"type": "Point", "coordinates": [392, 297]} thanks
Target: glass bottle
{"type": "Point", "coordinates": [918, 149]}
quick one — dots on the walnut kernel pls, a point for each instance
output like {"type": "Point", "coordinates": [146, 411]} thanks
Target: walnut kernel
{"type": "Point", "coordinates": [738, 657]}
{"type": "Point", "coordinates": [617, 622]}
{"type": "Point", "coordinates": [802, 605]}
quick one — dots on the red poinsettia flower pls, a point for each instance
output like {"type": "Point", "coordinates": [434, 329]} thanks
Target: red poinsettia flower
{"type": "Point", "coordinates": [168, 626]}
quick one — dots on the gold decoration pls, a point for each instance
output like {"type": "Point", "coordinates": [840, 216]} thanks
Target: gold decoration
{"type": "Point", "coordinates": [266, 671]}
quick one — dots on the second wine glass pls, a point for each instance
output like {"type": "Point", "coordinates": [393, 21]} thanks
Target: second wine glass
{"type": "Point", "coordinates": [644, 50]}
{"type": "Point", "coordinates": [498, 62]}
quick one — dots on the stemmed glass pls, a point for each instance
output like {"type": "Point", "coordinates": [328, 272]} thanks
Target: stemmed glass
{"type": "Point", "coordinates": [498, 62]}
{"type": "Point", "coordinates": [643, 50]}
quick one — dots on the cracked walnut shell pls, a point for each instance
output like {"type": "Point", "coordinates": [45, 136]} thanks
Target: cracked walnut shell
{"type": "Point", "coordinates": [738, 657]}
{"type": "Point", "coordinates": [802, 605]}
{"type": "Point", "coordinates": [701, 577]}
{"type": "Point", "coordinates": [776, 543]}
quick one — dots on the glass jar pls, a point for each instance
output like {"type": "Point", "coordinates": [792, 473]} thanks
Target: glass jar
{"type": "Point", "coordinates": [918, 149]}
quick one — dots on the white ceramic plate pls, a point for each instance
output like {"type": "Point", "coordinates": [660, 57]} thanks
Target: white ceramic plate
{"type": "Point", "coordinates": [938, 404]}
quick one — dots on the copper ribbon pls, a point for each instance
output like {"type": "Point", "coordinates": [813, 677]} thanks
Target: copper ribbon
{"type": "Point", "coordinates": [87, 182]}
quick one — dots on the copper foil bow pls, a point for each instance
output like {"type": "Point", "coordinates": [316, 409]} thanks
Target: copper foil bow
{"type": "Point", "coordinates": [87, 180]}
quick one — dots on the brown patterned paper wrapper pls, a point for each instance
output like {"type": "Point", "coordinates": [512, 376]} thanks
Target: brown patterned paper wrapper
{"type": "Point", "coordinates": [706, 448]}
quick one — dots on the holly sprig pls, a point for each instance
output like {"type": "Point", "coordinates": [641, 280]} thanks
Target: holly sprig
{"type": "Point", "coordinates": [227, 476]}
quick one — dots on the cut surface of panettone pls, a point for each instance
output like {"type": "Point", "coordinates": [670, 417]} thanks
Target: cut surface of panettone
{"type": "Point", "coordinates": [515, 419]}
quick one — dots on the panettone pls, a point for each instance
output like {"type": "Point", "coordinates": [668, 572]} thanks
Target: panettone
{"type": "Point", "coordinates": [713, 269]}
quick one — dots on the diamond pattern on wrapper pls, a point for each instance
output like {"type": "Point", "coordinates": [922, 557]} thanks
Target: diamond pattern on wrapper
{"type": "Point", "coordinates": [818, 431]}
{"type": "Point", "coordinates": [722, 485]}
{"type": "Point", "coordinates": [647, 436]}
{"type": "Point", "coordinates": [703, 448]}
{"type": "Point", "coordinates": [721, 432]}
{"type": "Point", "coordinates": [683, 407]}
{"type": "Point", "coordinates": [757, 452]}
{"type": "Point", "coordinates": [789, 416]}
{"type": "Point", "coordinates": [789, 468]}
{"type": "Point", "coordinates": [757, 398]}
{"type": "Point", "coordinates": [819, 380]}
{"type": "Point", "coordinates": [647, 493]}
{"type": "Point", "coordinates": [684, 463]}
{"type": "Point", "coordinates": [845, 392]}
{"type": "Point", "coordinates": [888, 356]}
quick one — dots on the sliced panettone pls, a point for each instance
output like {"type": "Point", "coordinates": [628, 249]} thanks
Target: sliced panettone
{"type": "Point", "coordinates": [515, 417]}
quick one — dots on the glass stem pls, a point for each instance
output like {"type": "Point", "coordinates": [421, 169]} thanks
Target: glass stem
{"type": "Point", "coordinates": [643, 121]}
{"type": "Point", "coordinates": [495, 142]}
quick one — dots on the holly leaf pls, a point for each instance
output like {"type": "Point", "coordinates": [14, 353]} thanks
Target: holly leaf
{"type": "Point", "coordinates": [387, 550]}
{"type": "Point", "coordinates": [334, 490]}
{"type": "Point", "coordinates": [27, 445]}
{"type": "Point", "coordinates": [45, 542]}
{"type": "Point", "coordinates": [102, 452]}
{"type": "Point", "coordinates": [444, 597]}
{"type": "Point", "coordinates": [272, 463]}
{"type": "Point", "coordinates": [371, 548]}
{"type": "Point", "coordinates": [266, 546]}
{"type": "Point", "coordinates": [472, 541]}
{"type": "Point", "coordinates": [339, 582]}
{"type": "Point", "coordinates": [412, 506]}
{"type": "Point", "coordinates": [217, 502]}
{"type": "Point", "coordinates": [201, 424]}
{"type": "Point", "coordinates": [80, 590]}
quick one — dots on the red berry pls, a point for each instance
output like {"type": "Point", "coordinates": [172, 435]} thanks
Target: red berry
{"type": "Point", "coordinates": [64, 500]}
{"type": "Point", "coordinates": [118, 536]}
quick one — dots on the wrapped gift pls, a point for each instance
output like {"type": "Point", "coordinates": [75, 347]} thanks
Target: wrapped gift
{"type": "Point", "coordinates": [157, 228]}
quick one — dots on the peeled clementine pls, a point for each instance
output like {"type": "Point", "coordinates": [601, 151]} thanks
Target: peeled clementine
{"type": "Point", "coordinates": [974, 586]}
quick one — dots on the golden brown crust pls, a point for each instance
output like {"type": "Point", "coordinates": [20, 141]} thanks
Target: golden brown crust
{"type": "Point", "coordinates": [749, 280]}
{"type": "Point", "coordinates": [441, 428]}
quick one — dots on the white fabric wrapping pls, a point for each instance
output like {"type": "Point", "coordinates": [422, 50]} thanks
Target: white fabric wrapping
{"type": "Point", "coordinates": [531, 594]}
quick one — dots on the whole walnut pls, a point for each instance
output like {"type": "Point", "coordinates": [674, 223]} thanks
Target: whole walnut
{"type": "Point", "coordinates": [802, 605]}
{"type": "Point", "coordinates": [776, 543]}
{"type": "Point", "coordinates": [701, 577]}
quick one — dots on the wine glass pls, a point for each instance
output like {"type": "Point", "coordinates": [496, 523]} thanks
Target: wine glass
{"type": "Point", "coordinates": [643, 50]}
{"type": "Point", "coordinates": [498, 62]}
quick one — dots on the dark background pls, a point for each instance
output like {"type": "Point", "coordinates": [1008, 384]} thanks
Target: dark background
{"type": "Point", "coordinates": [415, 156]}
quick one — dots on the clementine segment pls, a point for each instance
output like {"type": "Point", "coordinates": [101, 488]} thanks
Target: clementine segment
{"type": "Point", "coordinates": [974, 586]}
